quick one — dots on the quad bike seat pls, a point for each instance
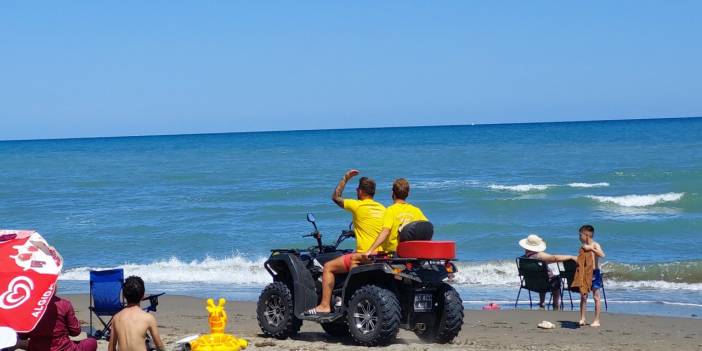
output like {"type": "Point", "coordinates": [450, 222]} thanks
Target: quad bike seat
{"type": "Point", "coordinates": [430, 250]}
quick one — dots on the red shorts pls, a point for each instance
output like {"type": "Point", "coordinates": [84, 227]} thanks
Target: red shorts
{"type": "Point", "coordinates": [347, 261]}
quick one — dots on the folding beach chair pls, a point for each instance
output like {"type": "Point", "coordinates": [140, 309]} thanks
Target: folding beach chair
{"type": "Point", "coordinates": [604, 294]}
{"type": "Point", "coordinates": [567, 273]}
{"type": "Point", "coordinates": [533, 276]}
{"type": "Point", "coordinates": [105, 299]}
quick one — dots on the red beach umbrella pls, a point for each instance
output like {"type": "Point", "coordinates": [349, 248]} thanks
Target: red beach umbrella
{"type": "Point", "coordinates": [29, 268]}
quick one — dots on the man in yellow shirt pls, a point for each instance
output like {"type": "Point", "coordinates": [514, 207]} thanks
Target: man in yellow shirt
{"type": "Point", "coordinates": [367, 223]}
{"type": "Point", "coordinates": [397, 215]}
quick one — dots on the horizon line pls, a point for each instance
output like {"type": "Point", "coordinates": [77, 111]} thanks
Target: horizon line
{"type": "Point", "coordinates": [354, 128]}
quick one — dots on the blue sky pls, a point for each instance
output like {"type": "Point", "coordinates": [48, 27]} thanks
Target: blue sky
{"type": "Point", "coordinates": [88, 68]}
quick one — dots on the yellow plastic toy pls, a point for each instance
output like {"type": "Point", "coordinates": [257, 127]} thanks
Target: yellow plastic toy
{"type": "Point", "coordinates": [217, 340]}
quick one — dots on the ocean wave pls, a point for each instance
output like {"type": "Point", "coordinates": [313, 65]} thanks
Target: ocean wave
{"type": "Point", "coordinates": [671, 272]}
{"type": "Point", "coordinates": [588, 185]}
{"type": "Point", "coordinates": [659, 276]}
{"type": "Point", "coordinates": [229, 270]}
{"type": "Point", "coordinates": [521, 187]}
{"type": "Point", "coordinates": [638, 200]}
{"type": "Point", "coordinates": [443, 184]}
{"type": "Point", "coordinates": [652, 285]}
{"type": "Point", "coordinates": [240, 270]}
{"type": "Point", "coordinates": [610, 301]}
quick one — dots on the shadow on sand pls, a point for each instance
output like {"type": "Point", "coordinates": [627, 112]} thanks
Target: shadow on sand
{"type": "Point", "coordinates": [569, 324]}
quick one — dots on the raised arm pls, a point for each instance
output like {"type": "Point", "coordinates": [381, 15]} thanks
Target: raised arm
{"type": "Point", "coordinates": [336, 196]}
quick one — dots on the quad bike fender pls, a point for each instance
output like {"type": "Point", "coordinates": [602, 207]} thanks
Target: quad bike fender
{"type": "Point", "coordinates": [290, 270]}
{"type": "Point", "coordinates": [377, 273]}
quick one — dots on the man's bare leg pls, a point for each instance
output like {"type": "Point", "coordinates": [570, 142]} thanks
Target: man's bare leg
{"type": "Point", "coordinates": [598, 308]}
{"type": "Point", "coordinates": [335, 266]}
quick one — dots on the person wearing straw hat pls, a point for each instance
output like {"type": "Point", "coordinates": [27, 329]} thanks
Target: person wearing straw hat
{"type": "Point", "coordinates": [535, 248]}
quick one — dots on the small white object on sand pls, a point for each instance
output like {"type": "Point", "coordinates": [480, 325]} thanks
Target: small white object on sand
{"type": "Point", "coordinates": [546, 325]}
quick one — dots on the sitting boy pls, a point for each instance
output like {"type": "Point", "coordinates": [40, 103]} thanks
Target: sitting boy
{"type": "Point", "coordinates": [130, 325]}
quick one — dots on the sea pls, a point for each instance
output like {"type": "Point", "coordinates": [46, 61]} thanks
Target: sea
{"type": "Point", "coordinates": [197, 215]}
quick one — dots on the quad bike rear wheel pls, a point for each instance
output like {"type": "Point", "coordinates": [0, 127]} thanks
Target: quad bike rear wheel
{"type": "Point", "coordinates": [274, 312]}
{"type": "Point", "coordinates": [373, 316]}
{"type": "Point", "coordinates": [448, 324]}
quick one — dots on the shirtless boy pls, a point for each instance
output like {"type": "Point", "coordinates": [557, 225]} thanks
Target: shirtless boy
{"type": "Point", "coordinates": [587, 232]}
{"type": "Point", "coordinates": [130, 325]}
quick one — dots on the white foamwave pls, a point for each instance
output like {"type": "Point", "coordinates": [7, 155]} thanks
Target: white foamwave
{"type": "Point", "coordinates": [521, 187]}
{"type": "Point", "coordinates": [443, 184]}
{"type": "Point", "coordinates": [588, 185]}
{"type": "Point", "coordinates": [240, 270]}
{"type": "Point", "coordinates": [638, 200]}
{"type": "Point", "coordinates": [229, 270]}
{"type": "Point", "coordinates": [488, 273]}
{"type": "Point", "coordinates": [652, 285]}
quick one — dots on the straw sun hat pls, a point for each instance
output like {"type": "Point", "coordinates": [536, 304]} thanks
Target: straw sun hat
{"type": "Point", "coordinates": [533, 243]}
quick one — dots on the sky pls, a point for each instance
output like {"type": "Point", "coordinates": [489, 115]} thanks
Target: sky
{"type": "Point", "coordinates": [96, 68]}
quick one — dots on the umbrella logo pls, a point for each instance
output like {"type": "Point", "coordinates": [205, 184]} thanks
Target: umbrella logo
{"type": "Point", "coordinates": [18, 292]}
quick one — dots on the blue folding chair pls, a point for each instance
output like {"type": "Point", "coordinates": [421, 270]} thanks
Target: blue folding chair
{"type": "Point", "coordinates": [105, 299]}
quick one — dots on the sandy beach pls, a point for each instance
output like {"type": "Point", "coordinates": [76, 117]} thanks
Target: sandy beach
{"type": "Point", "coordinates": [180, 316]}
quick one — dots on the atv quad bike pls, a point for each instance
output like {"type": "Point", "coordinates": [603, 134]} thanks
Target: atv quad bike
{"type": "Point", "coordinates": [372, 301]}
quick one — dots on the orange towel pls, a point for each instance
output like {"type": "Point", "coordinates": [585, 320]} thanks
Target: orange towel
{"type": "Point", "coordinates": [582, 282]}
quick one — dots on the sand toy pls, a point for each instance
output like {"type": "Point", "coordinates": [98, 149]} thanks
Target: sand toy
{"type": "Point", "coordinates": [217, 340]}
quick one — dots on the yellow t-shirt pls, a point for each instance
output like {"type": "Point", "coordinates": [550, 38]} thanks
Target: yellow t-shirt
{"type": "Point", "coordinates": [397, 216]}
{"type": "Point", "coordinates": [367, 221]}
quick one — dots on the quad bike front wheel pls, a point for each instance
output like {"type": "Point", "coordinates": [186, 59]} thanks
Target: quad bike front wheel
{"type": "Point", "coordinates": [373, 316]}
{"type": "Point", "coordinates": [448, 323]}
{"type": "Point", "coordinates": [274, 312]}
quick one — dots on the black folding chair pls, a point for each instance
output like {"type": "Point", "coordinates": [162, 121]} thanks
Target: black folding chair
{"type": "Point", "coordinates": [533, 276]}
{"type": "Point", "coordinates": [567, 273]}
{"type": "Point", "coordinates": [604, 294]}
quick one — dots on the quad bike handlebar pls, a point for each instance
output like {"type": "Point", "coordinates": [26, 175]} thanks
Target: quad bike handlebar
{"type": "Point", "coordinates": [345, 234]}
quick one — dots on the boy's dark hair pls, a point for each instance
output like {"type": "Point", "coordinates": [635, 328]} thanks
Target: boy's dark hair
{"type": "Point", "coordinates": [587, 228]}
{"type": "Point", "coordinates": [133, 289]}
{"type": "Point", "coordinates": [400, 188]}
{"type": "Point", "coordinates": [367, 185]}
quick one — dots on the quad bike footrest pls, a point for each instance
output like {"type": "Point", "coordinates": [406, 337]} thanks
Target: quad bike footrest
{"type": "Point", "coordinates": [322, 318]}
